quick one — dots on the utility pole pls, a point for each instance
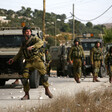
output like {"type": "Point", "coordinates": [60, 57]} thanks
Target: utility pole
{"type": "Point", "coordinates": [43, 20]}
{"type": "Point", "coordinates": [73, 24]}
{"type": "Point", "coordinates": [55, 32]}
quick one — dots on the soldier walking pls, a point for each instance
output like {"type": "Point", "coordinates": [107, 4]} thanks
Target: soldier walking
{"type": "Point", "coordinates": [96, 58]}
{"type": "Point", "coordinates": [108, 62]}
{"type": "Point", "coordinates": [76, 54]}
{"type": "Point", "coordinates": [30, 51]}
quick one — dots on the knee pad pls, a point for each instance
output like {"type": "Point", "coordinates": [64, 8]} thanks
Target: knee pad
{"type": "Point", "coordinates": [26, 75]}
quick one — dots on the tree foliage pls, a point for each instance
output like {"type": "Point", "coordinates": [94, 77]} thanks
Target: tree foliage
{"type": "Point", "coordinates": [107, 35]}
{"type": "Point", "coordinates": [34, 18]}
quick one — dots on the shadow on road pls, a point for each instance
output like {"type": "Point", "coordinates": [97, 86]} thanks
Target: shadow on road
{"type": "Point", "coordinates": [8, 86]}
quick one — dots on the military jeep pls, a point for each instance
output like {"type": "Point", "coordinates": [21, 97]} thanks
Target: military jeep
{"type": "Point", "coordinates": [59, 62]}
{"type": "Point", "coordinates": [88, 44]}
{"type": "Point", "coordinates": [10, 41]}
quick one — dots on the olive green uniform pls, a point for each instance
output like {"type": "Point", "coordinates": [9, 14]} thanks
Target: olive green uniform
{"type": "Point", "coordinates": [32, 59]}
{"type": "Point", "coordinates": [76, 54]}
{"type": "Point", "coordinates": [48, 62]}
{"type": "Point", "coordinates": [108, 62]}
{"type": "Point", "coordinates": [96, 57]}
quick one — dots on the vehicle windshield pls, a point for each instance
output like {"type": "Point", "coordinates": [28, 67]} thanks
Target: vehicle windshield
{"type": "Point", "coordinates": [10, 40]}
{"type": "Point", "coordinates": [88, 45]}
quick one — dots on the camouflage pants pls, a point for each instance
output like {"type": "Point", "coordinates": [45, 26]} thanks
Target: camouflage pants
{"type": "Point", "coordinates": [96, 67]}
{"type": "Point", "coordinates": [77, 64]}
{"type": "Point", "coordinates": [48, 68]}
{"type": "Point", "coordinates": [109, 71]}
{"type": "Point", "coordinates": [31, 65]}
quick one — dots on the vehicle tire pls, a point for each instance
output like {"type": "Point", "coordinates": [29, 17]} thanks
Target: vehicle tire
{"type": "Point", "coordinates": [2, 82]}
{"type": "Point", "coordinates": [59, 73]}
{"type": "Point", "coordinates": [34, 79]}
{"type": "Point", "coordinates": [103, 72]}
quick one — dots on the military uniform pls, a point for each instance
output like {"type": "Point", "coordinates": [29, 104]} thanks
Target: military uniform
{"type": "Point", "coordinates": [108, 62]}
{"type": "Point", "coordinates": [76, 54]}
{"type": "Point", "coordinates": [32, 59]}
{"type": "Point", "coordinates": [96, 59]}
{"type": "Point", "coordinates": [48, 62]}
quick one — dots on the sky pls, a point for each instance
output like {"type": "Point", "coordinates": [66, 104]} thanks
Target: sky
{"type": "Point", "coordinates": [84, 10]}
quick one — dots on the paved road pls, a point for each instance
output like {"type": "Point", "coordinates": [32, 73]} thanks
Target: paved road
{"type": "Point", "coordinates": [10, 96]}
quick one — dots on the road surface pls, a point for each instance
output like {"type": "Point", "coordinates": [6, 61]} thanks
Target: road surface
{"type": "Point", "coordinates": [10, 95]}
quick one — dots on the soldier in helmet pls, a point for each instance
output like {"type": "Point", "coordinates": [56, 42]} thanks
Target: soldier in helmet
{"type": "Point", "coordinates": [76, 54]}
{"type": "Point", "coordinates": [108, 62]}
{"type": "Point", "coordinates": [96, 58]}
{"type": "Point", "coordinates": [30, 51]}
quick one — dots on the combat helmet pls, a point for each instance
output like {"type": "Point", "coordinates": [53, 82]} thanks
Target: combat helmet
{"type": "Point", "coordinates": [98, 41]}
{"type": "Point", "coordinates": [76, 40]}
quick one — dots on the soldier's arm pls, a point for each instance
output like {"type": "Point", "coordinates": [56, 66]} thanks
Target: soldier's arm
{"type": "Point", "coordinates": [106, 59]}
{"type": "Point", "coordinates": [39, 43]}
{"type": "Point", "coordinates": [70, 53]}
{"type": "Point", "coordinates": [91, 55]}
{"type": "Point", "coordinates": [18, 55]}
{"type": "Point", "coordinates": [83, 52]}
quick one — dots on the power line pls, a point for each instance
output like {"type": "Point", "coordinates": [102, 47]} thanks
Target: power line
{"type": "Point", "coordinates": [95, 17]}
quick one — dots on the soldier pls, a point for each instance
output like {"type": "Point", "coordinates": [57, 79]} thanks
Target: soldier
{"type": "Point", "coordinates": [108, 62]}
{"type": "Point", "coordinates": [76, 54]}
{"type": "Point", "coordinates": [96, 58]}
{"type": "Point", "coordinates": [48, 61]}
{"type": "Point", "coordinates": [30, 51]}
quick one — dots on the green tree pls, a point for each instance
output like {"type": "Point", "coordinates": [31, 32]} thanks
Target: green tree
{"type": "Point", "coordinates": [65, 28]}
{"type": "Point", "coordinates": [89, 25]}
{"type": "Point", "coordinates": [107, 35]}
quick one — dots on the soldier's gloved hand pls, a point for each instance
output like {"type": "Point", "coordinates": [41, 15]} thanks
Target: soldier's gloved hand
{"type": "Point", "coordinates": [10, 61]}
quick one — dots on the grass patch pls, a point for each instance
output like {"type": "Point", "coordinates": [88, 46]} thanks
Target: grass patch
{"type": "Point", "coordinates": [100, 101]}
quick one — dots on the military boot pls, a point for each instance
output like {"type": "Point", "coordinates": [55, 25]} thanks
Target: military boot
{"type": "Point", "coordinates": [96, 79]}
{"type": "Point", "coordinates": [78, 81]}
{"type": "Point", "coordinates": [110, 79]}
{"type": "Point", "coordinates": [26, 96]}
{"type": "Point", "coordinates": [75, 78]}
{"type": "Point", "coordinates": [48, 93]}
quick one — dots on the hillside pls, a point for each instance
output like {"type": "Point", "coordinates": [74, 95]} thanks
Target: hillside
{"type": "Point", "coordinates": [108, 25]}
{"type": "Point", "coordinates": [55, 23]}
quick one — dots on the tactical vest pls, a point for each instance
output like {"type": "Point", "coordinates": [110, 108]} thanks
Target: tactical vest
{"type": "Point", "coordinates": [77, 52]}
{"type": "Point", "coordinates": [97, 54]}
{"type": "Point", "coordinates": [29, 53]}
{"type": "Point", "coordinates": [110, 59]}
